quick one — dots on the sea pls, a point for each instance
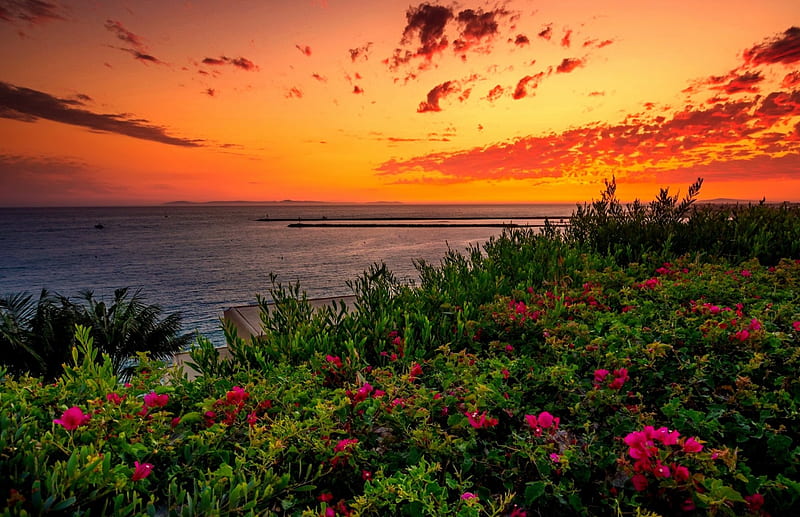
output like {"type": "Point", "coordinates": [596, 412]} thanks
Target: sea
{"type": "Point", "coordinates": [199, 259]}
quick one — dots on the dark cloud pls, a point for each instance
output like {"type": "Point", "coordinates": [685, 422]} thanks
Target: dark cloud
{"type": "Point", "coordinates": [597, 43]}
{"type": "Point", "coordinates": [424, 29]}
{"type": "Point", "coordinates": [526, 85]}
{"type": "Point", "coordinates": [32, 12]}
{"type": "Point", "coordinates": [521, 40]}
{"type": "Point", "coordinates": [547, 32]}
{"type": "Point", "coordinates": [305, 49]}
{"type": "Point", "coordinates": [238, 62]}
{"type": "Point", "coordinates": [436, 94]}
{"type": "Point", "coordinates": [597, 94]}
{"type": "Point", "coordinates": [784, 48]}
{"type": "Point", "coordinates": [568, 64]}
{"type": "Point", "coordinates": [211, 92]}
{"type": "Point", "coordinates": [141, 56]}
{"type": "Point", "coordinates": [360, 52]}
{"type": "Point", "coordinates": [476, 27]}
{"type": "Point", "coordinates": [358, 90]}
{"type": "Point", "coordinates": [566, 40]}
{"type": "Point", "coordinates": [320, 78]}
{"type": "Point", "coordinates": [31, 105]}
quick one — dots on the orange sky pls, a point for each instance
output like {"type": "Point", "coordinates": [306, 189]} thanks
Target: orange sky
{"type": "Point", "coordinates": [141, 102]}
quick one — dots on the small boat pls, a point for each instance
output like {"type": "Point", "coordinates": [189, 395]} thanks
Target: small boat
{"type": "Point", "coordinates": [99, 226]}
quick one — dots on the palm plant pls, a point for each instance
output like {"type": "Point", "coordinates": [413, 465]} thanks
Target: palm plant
{"type": "Point", "coordinates": [129, 326]}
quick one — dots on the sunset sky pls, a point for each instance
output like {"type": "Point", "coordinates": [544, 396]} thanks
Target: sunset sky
{"type": "Point", "coordinates": [142, 102]}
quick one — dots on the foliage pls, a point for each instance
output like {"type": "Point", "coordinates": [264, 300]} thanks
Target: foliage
{"type": "Point", "coordinates": [37, 336]}
{"type": "Point", "coordinates": [530, 376]}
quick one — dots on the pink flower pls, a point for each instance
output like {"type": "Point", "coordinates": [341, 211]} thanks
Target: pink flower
{"type": "Point", "coordinates": [680, 473]}
{"type": "Point", "coordinates": [746, 273]}
{"type": "Point", "coordinates": [544, 421]}
{"type": "Point", "coordinates": [252, 419]}
{"type": "Point", "coordinates": [661, 470]}
{"type": "Point", "coordinates": [416, 371]}
{"type": "Point", "coordinates": [325, 497]}
{"type": "Point", "coordinates": [114, 398]}
{"type": "Point", "coordinates": [366, 475]}
{"type": "Point", "coordinates": [796, 326]}
{"type": "Point", "coordinates": [480, 420]}
{"type": "Point", "coordinates": [343, 445]}
{"type": "Point", "coordinates": [152, 399]}
{"type": "Point", "coordinates": [329, 512]}
{"type": "Point", "coordinates": [334, 360]}
{"type": "Point", "coordinates": [466, 496]}
{"type": "Point", "coordinates": [692, 445]}
{"type": "Point", "coordinates": [742, 335]}
{"type": "Point", "coordinates": [72, 418]}
{"type": "Point", "coordinates": [518, 512]}
{"type": "Point", "coordinates": [600, 375]}
{"type": "Point", "coordinates": [754, 325]}
{"type": "Point", "coordinates": [363, 392]}
{"type": "Point", "coordinates": [688, 505]}
{"type": "Point", "coordinates": [141, 470]}
{"type": "Point", "coordinates": [620, 376]}
{"type": "Point", "coordinates": [237, 396]}
{"type": "Point", "coordinates": [639, 482]}
{"type": "Point", "coordinates": [555, 457]}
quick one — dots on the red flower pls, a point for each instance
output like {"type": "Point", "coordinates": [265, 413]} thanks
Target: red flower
{"type": "Point", "coordinates": [153, 399]}
{"type": "Point", "coordinates": [141, 470]}
{"type": "Point", "coordinates": [114, 398]}
{"type": "Point", "coordinates": [343, 445]}
{"type": "Point", "coordinates": [366, 475]}
{"type": "Point", "coordinates": [72, 418]}
{"type": "Point", "coordinates": [599, 376]}
{"type": "Point", "coordinates": [237, 396]}
{"type": "Point", "coordinates": [334, 360]}
{"type": "Point", "coordinates": [680, 473]}
{"type": "Point", "coordinates": [754, 502]}
{"type": "Point", "coordinates": [325, 497]}
{"type": "Point", "coordinates": [252, 419]}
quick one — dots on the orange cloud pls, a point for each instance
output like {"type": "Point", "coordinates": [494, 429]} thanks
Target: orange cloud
{"type": "Point", "coordinates": [784, 49]}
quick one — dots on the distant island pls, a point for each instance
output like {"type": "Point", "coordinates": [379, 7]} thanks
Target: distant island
{"type": "Point", "coordinates": [281, 202]}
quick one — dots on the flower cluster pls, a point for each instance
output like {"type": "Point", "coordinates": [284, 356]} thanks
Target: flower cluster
{"type": "Point", "coordinates": [479, 421]}
{"type": "Point", "coordinates": [72, 418]}
{"type": "Point", "coordinates": [618, 378]}
{"type": "Point", "coordinates": [544, 421]}
{"type": "Point", "coordinates": [654, 453]}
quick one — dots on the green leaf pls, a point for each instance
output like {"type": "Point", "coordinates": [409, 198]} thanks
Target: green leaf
{"type": "Point", "coordinates": [534, 491]}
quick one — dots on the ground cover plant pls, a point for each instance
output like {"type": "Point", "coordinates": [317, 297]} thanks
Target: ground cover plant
{"type": "Point", "coordinates": [535, 375]}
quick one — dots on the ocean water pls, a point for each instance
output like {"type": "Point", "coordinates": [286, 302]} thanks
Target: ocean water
{"type": "Point", "coordinates": [199, 260]}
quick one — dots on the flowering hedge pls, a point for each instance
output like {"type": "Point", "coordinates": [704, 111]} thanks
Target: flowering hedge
{"type": "Point", "coordinates": [497, 387]}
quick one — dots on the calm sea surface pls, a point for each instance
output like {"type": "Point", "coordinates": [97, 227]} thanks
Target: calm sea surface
{"type": "Point", "coordinates": [200, 260]}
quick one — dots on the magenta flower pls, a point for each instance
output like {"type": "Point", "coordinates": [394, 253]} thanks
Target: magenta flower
{"type": "Point", "coordinates": [153, 399]}
{"type": "Point", "coordinates": [796, 326]}
{"type": "Point", "coordinates": [334, 360]}
{"type": "Point", "coordinates": [754, 502]}
{"type": "Point", "coordinates": [544, 421]}
{"type": "Point", "coordinates": [466, 496]}
{"type": "Point", "coordinates": [237, 396]}
{"type": "Point", "coordinates": [680, 473]}
{"type": "Point", "coordinates": [114, 398]}
{"type": "Point", "coordinates": [555, 457]}
{"type": "Point", "coordinates": [141, 470]}
{"type": "Point", "coordinates": [692, 445]}
{"type": "Point", "coordinates": [343, 445]}
{"type": "Point", "coordinates": [639, 482]}
{"type": "Point", "coordinates": [600, 375]}
{"type": "Point", "coordinates": [416, 371]}
{"type": "Point", "coordinates": [252, 419]}
{"type": "Point", "coordinates": [72, 418]}
{"type": "Point", "coordinates": [480, 420]}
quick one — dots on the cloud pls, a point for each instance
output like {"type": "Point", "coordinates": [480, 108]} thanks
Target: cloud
{"type": "Point", "coordinates": [238, 62]}
{"type": "Point", "coordinates": [304, 49]}
{"type": "Point", "coordinates": [569, 64]}
{"type": "Point", "coordinates": [521, 40]}
{"type": "Point", "coordinates": [30, 105]}
{"type": "Point", "coordinates": [476, 27]}
{"type": "Point", "coordinates": [547, 32]}
{"type": "Point", "coordinates": [425, 26]}
{"type": "Point", "coordinates": [495, 93]}
{"type": "Point", "coordinates": [649, 143]}
{"type": "Point", "coordinates": [597, 43]}
{"type": "Point", "coordinates": [529, 81]}
{"type": "Point", "coordinates": [746, 82]}
{"type": "Point", "coordinates": [124, 34]}
{"type": "Point", "coordinates": [566, 40]}
{"type": "Point", "coordinates": [791, 80]}
{"type": "Point", "coordinates": [320, 78]}
{"type": "Point", "coordinates": [358, 90]}
{"type": "Point", "coordinates": [137, 47]}
{"type": "Point", "coordinates": [211, 92]}
{"type": "Point", "coordinates": [32, 12]}
{"type": "Point", "coordinates": [597, 94]}
{"type": "Point", "coordinates": [783, 49]}
{"type": "Point", "coordinates": [294, 93]}
{"type": "Point", "coordinates": [360, 52]}
{"type": "Point", "coordinates": [436, 94]}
